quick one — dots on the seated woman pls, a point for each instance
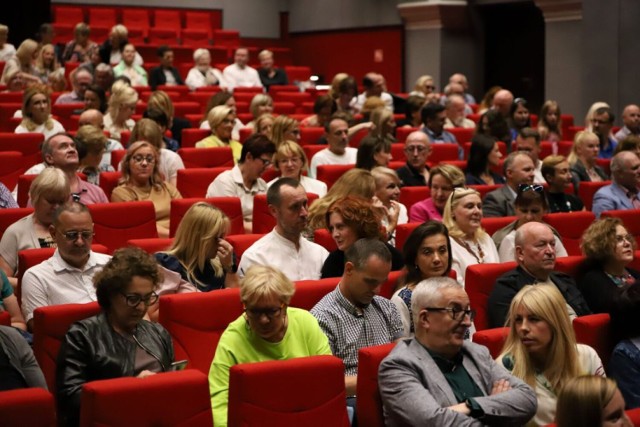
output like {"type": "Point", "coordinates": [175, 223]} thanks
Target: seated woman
{"type": "Point", "coordinates": [91, 144]}
{"type": "Point", "coordinates": [49, 70]}
{"type": "Point", "coordinates": [470, 244]}
{"type": "Point", "coordinates": [386, 197]}
{"type": "Point", "coordinates": [264, 125]}
{"type": "Point", "coordinates": [483, 155]}
{"type": "Point", "coordinates": [36, 112]}
{"type": "Point", "coordinates": [591, 400]}
{"type": "Point", "coordinates": [199, 252]}
{"type": "Point", "coordinates": [122, 105]}
{"type": "Point", "coordinates": [203, 74]}
{"type": "Point", "coordinates": [48, 191]}
{"type": "Point", "coordinates": [541, 347]}
{"type": "Point", "coordinates": [583, 156]}
{"type": "Point", "coordinates": [609, 249]}
{"type": "Point", "coordinates": [226, 99]}
{"type": "Point", "coordinates": [624, 364]}
{"type": "Point", "coordinates": [77, 50]}
{"type": "Point", "coordinates": [443, 179]}
{"type": "Point", "coordinates": [530, 205]}
{"type": "Point", "coordinates": [160, 100]}
{"type": "Point", "coordinates": [260, 104]}
{"type": "Point", "coordinates": [519, 117]}
{"type": "Point", "coordinates": [22, 62]}
{"type": "Point", "coordinates": [118, 342]}
{"type": "Point", "coordinates": [285, 129]}
{"type": "Point", "coordinates": [413, 118]}
{"type": "Point", "coordinates": [267, 330]}
{"type": "Point", "coordinates": [221, 119]}
{"type": "Point", "coordinates": [373, 152]}
{"type": "Point", "coordinates": [141, 180]}
{"type": "Point", "coordinates": [323, 108]}
{"type": "Point", "coordinates": [350, 219]}
{"type": "Point", "coordinates": [425, 86]}
{"type": "Point", "coordinates": [95, 98]}
{"type": "Point", "coordinates": [343, 89]}
{"type": "Point", "coordinates": [427, 253]}
{"type": "Point", "coordinates": [550, 124]}
{"type": "Point", "coordinates": [291, 161]}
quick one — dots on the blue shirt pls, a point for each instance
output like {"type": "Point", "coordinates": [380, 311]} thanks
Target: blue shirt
{"type": "Point", "coordinates": [444, 137]}
{"type": "Point", "coordinates": [607, 153]}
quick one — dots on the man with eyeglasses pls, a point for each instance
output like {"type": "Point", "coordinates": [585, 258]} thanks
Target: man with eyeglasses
{"type": "Point", "coordinates": [535, 253]}
{"type": "Point", "coordinates": [438, 378]}
{"type": "Point", "coordinates": [622, 193]}
{"type": "Point", "coordinates": [518, 169]}
{"type": "Point", "coordinates": [66, 277]}
{"type": "Point", "coordinates": [416, 149]}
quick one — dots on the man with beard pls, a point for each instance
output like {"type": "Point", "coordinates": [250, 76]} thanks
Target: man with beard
{"type": "Point", "coordinates": [536, 257]}
{"type": "Point", "coordinates": [285, 248]}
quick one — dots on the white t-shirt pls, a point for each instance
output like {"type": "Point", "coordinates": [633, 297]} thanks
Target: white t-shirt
{"type": "Point", "coordinates": [241, 77]}
{"type": "Point", "coordinates": [358, 101]}
{"type": "Point", "coordinates": [230, 184]}
{"type": "Point", "coordinates": [327, 157]}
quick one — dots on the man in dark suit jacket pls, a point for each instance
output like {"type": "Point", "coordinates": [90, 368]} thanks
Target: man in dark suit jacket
{"type": "Point", "coordinates": [518, 169]}
{"type": "Point", "coordinates": [536, 257]}
{"type": "Point", "coordinates": [165, 73]}
{"type": "Point", "coordinates": [438, 378]}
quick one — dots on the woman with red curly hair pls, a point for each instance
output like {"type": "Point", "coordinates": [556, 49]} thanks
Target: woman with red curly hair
{"type": "Point", "coordinates": [348, 220]}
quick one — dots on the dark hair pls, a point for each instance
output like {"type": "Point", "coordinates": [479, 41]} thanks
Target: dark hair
{"type": "Point", "coordinates": [101, 95]}
{"type": "Point", "coordinates": [118, 273]}
{"type": "Point", "coordinates": [607, 110]}
{"type": "Point", "coordinates": [257, 144]}
{"type": "Point", "coordinates": [412, 245]}
{"type": "Point", "coordinates": [273, 193]}
{"type": "Point", "coordinates": [481, 147]}
{"type": "Point", "coordinates": [527, 198]}
{"type": "Point", "coordinates": [367, 82]}
{"type": "Point", "coordinates": [348, 84]}
{"type": "Point", "coordinates": [157, 116]}
{"type": "Point", "coordinates": [337, 116]}
{"type": "Point", "coordinates": [122, 78]}
{"type": "Point", "coordinates": [358, 213]}
{"type": "Point", "coordinates": [498, 127]}
{"type": "Point", "coordinates": [414, 103]}
{"type": "Point", "coordinates": [324, 101]}
{"type": "Point", "coordinates": [162, 49]}
{"type": "Point", "coordinates": [369, 146]}
{"type": "Point", "coordinates": [514, 106]}
{"type": "Point", "coordinates": [363, 249]}
{"type": "Point", "coordinates": [527, 132]}
{"type": "Point", "coordinates": [431, 111]}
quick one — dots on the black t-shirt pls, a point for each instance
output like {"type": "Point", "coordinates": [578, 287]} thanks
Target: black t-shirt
{"type": "Point", "coordinates": [562, 202]}
{"type": "Point", "coordinates": [334, 264]}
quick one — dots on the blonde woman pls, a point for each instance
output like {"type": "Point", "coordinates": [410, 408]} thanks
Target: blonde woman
{"type": "Point", "coordinates": [23, 62]}
{"type": "Point", "coordinates": [260, 104]}
{"type": "Point", "coordinates": [122, 105]}
{"type": "Point", "coordinates": [291, 161]}
{"type": "Point", "coordinates": [91, 143]}
{"type": "Point", "coordinates": [199, 252]}
{"type": "Point", "coordinates": [159, 100]}
{"type": "Point", "coordinates": [221, 120]}
{"type": "Point", "coordinates": [541, 347]}
{"type": "Point", "coordinates": [387, 196]}
{"type": "Point", "coordinates": [49, 69]}
{"type": "Point", "coordinates": [470, 244]}
{"type": "Point", "coordinates": [285, 129]}
{"type": "Point", "coordinates": [264, 125]}
{"type": "Point", "coordinates": [141, 180]}
{"type": "Point", "coordinates": [36, 112]}
{"type": "Point", "coordinates": [583, 156]}
{"type": "Point", "coordinates": [226, 99]}
{"type": "Point", "coordinates": [424, 86]}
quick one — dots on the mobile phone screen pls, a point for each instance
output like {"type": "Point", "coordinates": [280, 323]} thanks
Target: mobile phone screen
{"type": "Point", "coordinates": [178, 365]}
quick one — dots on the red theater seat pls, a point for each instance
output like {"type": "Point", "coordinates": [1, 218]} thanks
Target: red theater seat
{"type": "Point", "coordinates": [629, 219]}
{"type": "Point", "coordinates": [403, 231]}
{"type": "Point", "coordinates": [295, 97]}
{"type": "Point", "coordinates": [493, 339]}
{"type": "Point", "coordinates": [478, 282]}
{"type": "Point", "coordinates": [463, 135]}
{"type": "Point", "coordinates": [309, 292]}
{"type": "Point", "coordinates": [389, 286]}
{"type": "Point", "coordinates": [322, 236]}
{"type": "Point", "coordinates": [227, 38]}
{"type": "Point", "coordinates": [571, 226]}
{"type": "Point", "coordinates": [253, 400]}
{"type": "Point", "coordinates": [443, 153]}
{"type": "Point", "coordinates": [369, 409]}
{"type": "Point", "coordinates": [412, 195]}
{"type": "Point", "coordinates": [298, 74]}
{"type": "Point", "coordinates": [311, 150]}
{"type": "Point", "coordinates": [329, 174]}
{"type": "Point", "coordinates": [163, 18]}
{"type": "Point", "coordinates": [284, 108]}
{"type": "Point", "coordinates": [68, 15]}
{"type": "Point", "coordinates": [403, 132]}
{"type": "Point", "coordinates": [7, 123]}
{"type": "Point", "coordinates": [199, 21]}
{"type": "Point", "coordinates": [191, 136]}
{"type": "Point", "coordinates": [242, 242]}
{"type": "Point", "coordinates": [206, 157]}
{"type": "Point", "coordinates": [587, 189]}
{"type": "Point", "coordinates": [109, 181]}
{"type": "Point", "coordinates": [101, 17]}
{"type": "Point", "coordinates": [26, 143]}
{"type": "Point", "coordinates": [194, 182]}
{"type": "Point", "coordinates": [273, 89]}
{"type": "Point", "coordinates": [196, 321]}
{"type": "Point", "coordinates": [491, 225]}
{"type": "Point", "coordinates": [177, 398]}
{"type": "Point", "coordinates": [28, 407]}
{"type": "Point", "coordinates": [24, 184]}
{"type": "Point", "coordinates": [116, 223]}
{"type": "Point", "coordinates": [195, 38]}
{"type": "Point", "coordinates": [136, 19]}
{"type": "Point", "coordinates": [311, 135]}
{"type": "Point", "coordinates": [229, 205]}
{"type": "Point", "coordinates": [11, 167]}
{"type": "Point", "coordinates": [183, 108]}
{"type": "Point", "coordinates": [11, 215]}
{"type": "Point", "coordinates": [569, 264]}
{"type": "Point", "coordinates": [484, 189]}
{"type": "Point", "coordinates": [595, 331]}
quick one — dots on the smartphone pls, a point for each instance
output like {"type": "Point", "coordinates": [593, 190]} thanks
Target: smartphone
{"type": "Point", "coordinates": [178, 365]}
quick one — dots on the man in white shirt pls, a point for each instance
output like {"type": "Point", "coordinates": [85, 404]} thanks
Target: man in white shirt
{"type": "Point", "coordinates": [528, 140]}
{"type": "Point", "coordinates": [285, 248]}
{"type": "Point", "coordinates": [374, 85]}
{"type": "Point", "coordinates": [239, 74]}
{"type": "Point", "coordinates": [455, 109]}
{"type": "Point", "coordinates": [337, 135]}
{"type": "Point", "coordinates": [66, 277]}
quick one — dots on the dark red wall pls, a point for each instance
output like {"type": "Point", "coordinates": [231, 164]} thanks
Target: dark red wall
{"type": "Point", "coordinates": [352, 51]}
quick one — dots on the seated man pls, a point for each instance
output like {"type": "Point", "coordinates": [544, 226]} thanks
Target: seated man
{"type": "Point", "coordinates": [285, 248]}
{"type": "Point", "coordinates": [456, 112]}
{"type": "Point", "coordinates": [337, 153]}
{"type": "Point", "coordinates": [602, 125]}
{"type": "Point", "coordinates": [374, 85]}
{"type": "Point", "coordinates": [535, 254]}
{"type": "Point", "coordinates": [631, 120]}
{"type": "Point", "coordinates": [66, 277]}
{"type": "Point", "coordinates": [438, 378]}
{"type": "Point", "coordinates": [96, 118]}
{"type": "Point", "coordinates": [81, 79]}
{"type": "Point", "coordinates": [557, 173]}
{"type": "Point", "coordinates": [165, 73]}
{"type": "Point", "coordinates": [269, 74]}
{"type": "Point", "coordinates": [239, 74]}
{"type": "Point", "coordinates": [623, 192]}
{"type": "Point", "coordinates": [353, 316]}
{"type": "Point", "coordinates": [416, 149]}
{"type": "Point", "coordinates": [433, 118]}
{"type": "Point", "coordinates": [518, 169]}
{"type": "Point", "coordinates": [244, 180]}
{"type": "Point", "coordinates": [528, 140]}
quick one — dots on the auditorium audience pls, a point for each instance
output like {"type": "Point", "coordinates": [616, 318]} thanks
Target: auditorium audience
{"type": "Point", "coordinates": [443, 180]}
{"type": "Point", "coordinates": [337, 152]}
{"type": "Point", "coordinates": [623, 192]}
{"type": "Point", "coordinates": [77, 49]}
{"type": "Point", "coordinates": [557, 173]}
{"type": "Point", "coordinates": [518, 169]}
{"type": "Point", "coordinates": [461, 79]}
{"type": "Point", "coordinates": [541, 347]}
{"type": "Point", "coordinates": [95, 118]}
{"type": "Point", "coordinates": [128, 67]}
{"type": "Point", "coordinates": [629, 143]}
{"type": "Point", "coordinates": [20, 368]}
{"type": "Point", "coordinates": [49, 70]}
{"type": "Point", "coordinates": [240, 74]}
{"type": "Point", "coordinates": [291, 161]}
{"type": "Point", "coordinates": [221, 120]}
{"type": "Point", "coordinates": [631, 121]}
{"type": "Point", "coordinates": [550, 123]}
{"type": "Point", "coordinates": [484, 155]}
{"type": "Point", "coordinates": [36, 112]}
{"type": "Point", "coordinates": [111, 49]}
{"type": "Point", "coordinates": [413, 118]}
{"type": "Point", "coordinates": [165, 73]}
{"type": "Point", "coordinates": [269, 74]}
{"type": "Point", "coordinates": [417, 148]}
{"type": "Point", "coordinates": [203, 74]}
{"type": "Point", "coordinates": [122, 105]}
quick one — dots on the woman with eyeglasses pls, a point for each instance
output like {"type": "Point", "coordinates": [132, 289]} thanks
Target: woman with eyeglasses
{"type": "Point", "coordinates": [269, 329]}
{"type": "Point", "coordinates": [541, 347]}
{"type": "Point", "coordinates": [141, 180]}
{"type": "Point", "coordinates": [221, 120]}
{"type": "Point", "coordinates": [442, 180]}
{"type": "Point", "coordinates": [530, 205]}
{"type": "Point", "coordinates": [609, 249]}
{"type": "Point", "coordinates": [483, 155]}
{"type": "Point", "coordinates": [470, 244]}
{"type": "Point", "coordinates": [291, 161]}
{"type": "Point", "coordinates": [118, 342]}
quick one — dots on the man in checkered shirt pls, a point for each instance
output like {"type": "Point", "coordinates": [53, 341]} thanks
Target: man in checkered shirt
{"type": "Point", "coordinates": [353, 316]}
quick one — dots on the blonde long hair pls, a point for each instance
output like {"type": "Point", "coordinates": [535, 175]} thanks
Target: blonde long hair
{"type": "Point", "coordinates": [562, 363]}
{"type": "Point", "coordinates": [447, 216]}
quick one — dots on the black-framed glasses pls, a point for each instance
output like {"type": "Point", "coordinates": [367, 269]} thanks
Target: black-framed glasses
{"type": "Point", "coordinates": [265, 162]}
{"type": "Point", "coordinates": [139, 159]}
{"type": "Point", "coordinates": [456, 313]}
{"type": "Point", "coordinates": [537, 188]}
{"type": "Point", "coordinates": [257, 313]}
{"type": "Point", "coordinates": [134, 299]}
{"type": "Point", "coordinates": [72, 236]}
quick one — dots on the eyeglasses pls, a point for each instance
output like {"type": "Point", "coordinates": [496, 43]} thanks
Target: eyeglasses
{"type": "Point", "coordinates": [139, 159]}
{"type": "Point", "coordinates": [432, 87]}
{"type": "Point", "coordinates": [628, 237]}
{"type": "Point", "coordinates": [134, 299]}
{"type": "Point", "coordinates": [72, 236]}
{"type": "Point", "coordinates": [456, 313]}
{"type": "Point", "coordinates": [265, 162]}
{"type": "Point", "coordinates": [522, 188]}
{"type": "Point", "coordinates": [257, 313]}
{"type": "Point", "coordinates": [412, 148]}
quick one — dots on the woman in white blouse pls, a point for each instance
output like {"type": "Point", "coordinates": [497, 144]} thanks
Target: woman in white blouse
{"type": "Point", "coordinates": [470, 244]}
{"type": "Point", "coordinates": [290, 160]}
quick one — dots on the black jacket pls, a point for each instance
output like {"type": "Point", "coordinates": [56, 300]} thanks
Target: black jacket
{"type": "Point", "coordinates": [93, 350]}
{"type": "Point", "coordinates": [598, 289]}
{"type": "Point", "coordinates": [579, 172]}
{"type": "Point", "coordinates": [510, 283]}
{"type": "Point", "coordinates": [157, 77]}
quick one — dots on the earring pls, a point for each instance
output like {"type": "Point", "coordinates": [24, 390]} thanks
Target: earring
{"type": "Point", "coordinates": [416, 267]}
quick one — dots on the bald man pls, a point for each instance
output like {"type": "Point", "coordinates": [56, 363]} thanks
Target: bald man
{"type": "Point", "coordinates": [535, 253]}
{"type": "Point", "coordinates": [95, 118]}
{"type": "Point", "coordinates": [622, 193]}
{"type": "Point", "coordinates": [502, 101]}
{"type": "Point", "coordinates": [631, 120]}
{"type": "Point", "coordinates": [415, 172]}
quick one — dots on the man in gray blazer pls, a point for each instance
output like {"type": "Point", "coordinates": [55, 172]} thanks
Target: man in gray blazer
{"type": "Point", "coordinates": [518, 169]}
{"type": "Point", "coordinates": [439, 379]}
{"type": "Point", "coordinates": [622, 193]}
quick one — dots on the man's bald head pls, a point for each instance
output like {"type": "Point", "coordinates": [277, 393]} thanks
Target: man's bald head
{"type": "Point", "coordinates": [631, 118]}
{"type": "Point", "coordinates": [625, 169]}
{"type": "Point", "coordinates": [502, 101]}
{"type": "Point", "coordinates": [91, 117]}
{"type": "Point", "coordinates": [417, 149]}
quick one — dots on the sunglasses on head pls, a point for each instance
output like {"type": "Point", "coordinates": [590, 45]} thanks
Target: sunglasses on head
{"type": "Point", "coordinates": [530, 187]}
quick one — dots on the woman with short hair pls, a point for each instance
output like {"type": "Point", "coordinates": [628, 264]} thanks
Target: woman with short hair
{"type": "Point", "coordinates": [260, 104]}
{"type": "Point", "coordinates": [36, 112]}
{"type": "Point", "coordinates": [291, 161]}
{"type": "Point", "coordinates": [443, 179]}
{"type": "Point", "coordinates": [91, 144]}
{"type": "Point", "coordinates": [221, 120]}
{"type": "Point", "coordinates": [583, 157]}
{"type": "Point", "coordinates": [203, 74]}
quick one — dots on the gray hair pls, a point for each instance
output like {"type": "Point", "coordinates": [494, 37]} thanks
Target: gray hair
{"type": "Point", "coordinates": [104, 67]}
{"type": "Point", "coordinates": [198, 53]}
{"type": "Point", "coordinates": [428, 293]}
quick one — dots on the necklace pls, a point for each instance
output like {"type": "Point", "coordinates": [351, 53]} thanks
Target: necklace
{"type": "Point", "coordinates": [625, 279]}
{"type": "Point", "coordinates": [478, 256]}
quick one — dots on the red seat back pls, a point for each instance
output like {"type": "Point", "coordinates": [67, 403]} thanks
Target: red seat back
{"type": "Point", "coordinates": [27, 143]}
{"type": "Point", "coordinates": [463, 135]}
{"type": "Point", "coordinates": [182, 108]}
{"type": "Point", "coordinates": [595, 331]}
{"type": "Point", "coordinates": [196, 321]}
{"type": "Point", "coordinates": [493, 339]}
{"type": "Point", "coordinates": [24, 184]}
{"type": "Point", "coordinates": [9, 216]}
{"type": "Point", "coordinates": [389, 286]}
{"type": "Point", "coordinates": [5, 318]}
{"type": "Point", "coordinates": [179, 398]}
{"type": "Point", "coordinates": [163, 18]}
{"type": "Point", "coordinates": [329, 174]}
{"type": "Point", "coordinates": [322, 236]}
{"type": "Point", "coordinates": [101, 17]}
{"type": "Point", "coordinates": [11, 167]}
{"type": "Point", "coordinates": [194, 182]}
{"type": "Point", "coordinates": [484, 189]}
{"type": "Point", "coordinates": [571, 226]}
{"type": "Point", "coordinates": [587, 189]}
{"type": "Point", "coordinates": [311, 135]}
{"type": "Point", "coordinates": [228, 38]}
{"type": "Point", "coordinates": [403, 231]}
{"type": "Point", "coordinates": [493, 224]}
{"type": "Point", "coordinates": [229, 205]}
{"type": "Point", "coordinates": [68, 15]}
{"type": "Point", "coordinates": [263, 221]}
{"type": "Point", "coordinates": [241, 243]}
{"type": "Point", "coordinates": [311, 150]}
{"type": "Point", "coordinates": [252, 400]}
{"type": "Point", "coordinates": [629, 218]}
{"type": "Point", "coordinates": [195, 38]}
{"type": "Point", "coordinates": [569, 264]}
{"type": "Point", "coordinates": [116, 223]}
{"type": "Point", "coordinates": [206, 157]}
{"type": "Point", "coordinates": [299, 73]}
{"type": "Point", "coordinates": [191, 136]}
{"type": "Point", "coordinates": [28, 407]}
{"type": "Point", "coordinates": [478, 282]}
{"type": "Point", "coordinates": [153, 245]}
{"type": "Point", "coordinates": [412, 195]}
{"type": "Point", "coordinates": [369, 409]}
{"type": "Point", "coordinates": [443, 153]}
{"type": "Point", "coordinates": [109, 181]}
{"type": "Point", "coordinates": [309, 292]}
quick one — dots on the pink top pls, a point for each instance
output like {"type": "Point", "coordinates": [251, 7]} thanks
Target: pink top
{"type": "Point", "coordinates": [424, 211]}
